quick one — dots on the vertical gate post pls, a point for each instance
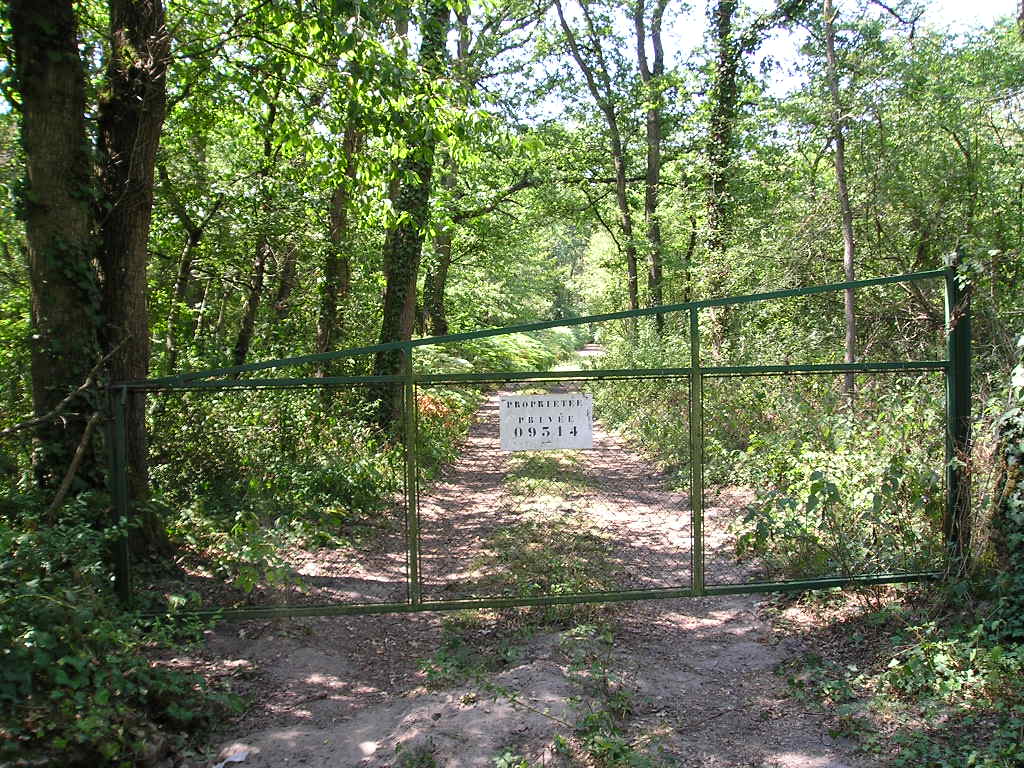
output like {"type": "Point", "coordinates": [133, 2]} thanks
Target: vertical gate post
{"type": "Point", "coordinates": [116, 454]}
{"type": "Point", "coordinates": [696, 455]}
{"type": "Point", "coordinates": [412, 519]}
{"type": "Point", "coordinates": [958, 417]}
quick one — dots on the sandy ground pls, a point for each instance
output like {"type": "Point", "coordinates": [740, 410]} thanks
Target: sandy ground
{"type": "Point", "coordinates": [349, 691]}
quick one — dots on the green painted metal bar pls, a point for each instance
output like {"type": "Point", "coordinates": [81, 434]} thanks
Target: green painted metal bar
{"type": "Point", "coordinates": [274, 383]}
{"type": "Point", "coordinates": [119, 494]}
{"type": "Point", "coordinates": [349, 609]}
{"type": "Point", "coordinates": [824, 368]}
{"type": "Point", "coordinates": [825, 583]}
{"type": "Point", "coordinates": [958, 418]}
{"type": "Point", "coordinates": [652, 373]}
{"type": "Point", "coordinates": [357, 609]}
{"type": "Point", "coordinates": [542, 325]}
{"type": "Point", "coordinates": [412, 519]}
{"type": "Point", "coordinates": [500, 378]}
{"type": "Point", "coordinates": [696, 456]}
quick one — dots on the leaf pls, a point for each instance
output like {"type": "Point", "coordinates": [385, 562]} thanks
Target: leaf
{"type": "Point", "coordinates": [236, 757]}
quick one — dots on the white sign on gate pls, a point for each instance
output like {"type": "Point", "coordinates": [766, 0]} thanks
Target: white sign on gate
{"type": "Point", "coordinates": [546, 422]}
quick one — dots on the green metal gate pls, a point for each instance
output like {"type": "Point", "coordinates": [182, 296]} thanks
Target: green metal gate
{"type": "Point", "coordinates": [662, 530]}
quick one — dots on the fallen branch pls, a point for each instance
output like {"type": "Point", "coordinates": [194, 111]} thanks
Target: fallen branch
{"type": "Point", "coordinates": [76, 461]}
{"type": "Point", "coordinates": [87, 384]}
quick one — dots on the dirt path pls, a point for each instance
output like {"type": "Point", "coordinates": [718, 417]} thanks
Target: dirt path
{"type": "Point", "coordinates": [348, 691]}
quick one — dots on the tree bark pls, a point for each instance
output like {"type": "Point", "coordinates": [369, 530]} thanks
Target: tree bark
{"type": "Point", "coordinates": [403, 245]}
{"type": "Point", "coordinates": [254, 294]}
{"type": "Point", "coordinates": [651, 77]}
{"type": "Point", "coordinates": [59, 225]}
{"type": "Point", "coordinates": [843, 192]}
{"type": "Point", "coordinates": [436, 284]}
{"type": "Point", "coordinates": [730, 47]}
{"type": "Point", "coordinates": [724, 103]}
{"type": "Point", "coordinates": [337, 262]}
{"type": "Point", "coordinates": [252, 303]}
{"type": "Point", "coordinates": [286, 284]}
{"type": "Point", "coordinates": [194, 232]}
{"type": "Point", "coordinates": [131, 117]}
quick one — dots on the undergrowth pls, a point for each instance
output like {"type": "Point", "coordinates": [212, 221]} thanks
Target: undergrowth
{"type": "Point", "coordinates": [909, 677]}
{"type": "Point", "coordinates": [76, 687]}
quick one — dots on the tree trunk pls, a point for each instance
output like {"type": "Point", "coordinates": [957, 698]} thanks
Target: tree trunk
{"type": "Point", "coordinates": [252, 303]}
{"type": "Point", "coordinates": [691, 247]}
{"type": "Point", "coordinates": [194, 232]}
{"type": "Point", "coordinates": [59, 227]}
{"type": "Point", "coordinates": [131, 117]}
{"type": "Point", "coordinates": [254, 295]}
{"type": "Point", "coordinates": [337, 262]}
{"type": "Point", "coordinates": [845, 210]}
{"type": "Point", "coordinates": [286, 284]}
{"type": "Point", "coordinates": [724, 105]}
{"type": "Point", "coordinates": [404, 242]}
{"type": "Point", "coordinates": [436, 284]}
{"type": "Point", "coordinates": [651, 77]}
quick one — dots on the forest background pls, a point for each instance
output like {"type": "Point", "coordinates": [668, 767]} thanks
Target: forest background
{"type": "Point", "coordinates": [214, 183]}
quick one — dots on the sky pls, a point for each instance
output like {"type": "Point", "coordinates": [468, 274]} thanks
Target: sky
{"type": "Point", "coordinates": [958, 16]}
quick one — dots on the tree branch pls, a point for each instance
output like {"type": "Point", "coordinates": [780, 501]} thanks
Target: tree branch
{"type": "Point", "coordinates": [76, 461]}
{"type": "Point", "coordinates": [526, 181]}
{"type": "Point", "coordinates": [87, 384]}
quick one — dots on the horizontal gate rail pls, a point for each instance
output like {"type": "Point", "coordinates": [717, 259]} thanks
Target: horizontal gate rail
{"type": "Point", "coordinates": [512, 376]}
{"type": "Point", "coordinates": [365, 609]}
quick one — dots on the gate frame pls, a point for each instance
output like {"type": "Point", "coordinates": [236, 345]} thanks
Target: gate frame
{"type": "Point", "coordinates": [956, 367]}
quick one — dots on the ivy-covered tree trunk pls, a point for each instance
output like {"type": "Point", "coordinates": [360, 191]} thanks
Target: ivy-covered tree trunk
{"type": "Point", "coordinates": [731, 45]}
{"type": "Point", "coordinates": [404, 243]}
{"type": "Point", "coordinates": [651, 74]}
{"type": "Point", "coordinates": [724, 109]}
{"type": "Point", "coordinates": [337, 262]}
{"type": "Point", "coordinates": [1008, 513]}
{"type": "Point", "coordinates": [59, 225]}
{"type": "Point", "coordinates": [436, 284]}
{"type": "Point", "coordinates": [131, 117]}
{"type": "Point", "coordinates": [436, 281]}
{"type": "Point", "coordinates": [842, 191]}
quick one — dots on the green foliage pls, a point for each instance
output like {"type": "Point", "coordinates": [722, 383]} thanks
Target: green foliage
{"type": "Point", "coordinates": [1008, 507]}
{"type": "Point", "coordinates": [926, 675]}
{"type": "Point", "coordinates": [74, 678]}
{"type": "Point", "coordinates": [415, 756]}
{"type": "Point", "coordinates": [534, 351]}
{"type": "Point", "coordinates": [816, 528]}
{"type": "Point", "coordinates": [509, 759]}
{"type": "Point", "coordinates": [240, 477]}
{"type": "Point", "coordinates": [660, 427]}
